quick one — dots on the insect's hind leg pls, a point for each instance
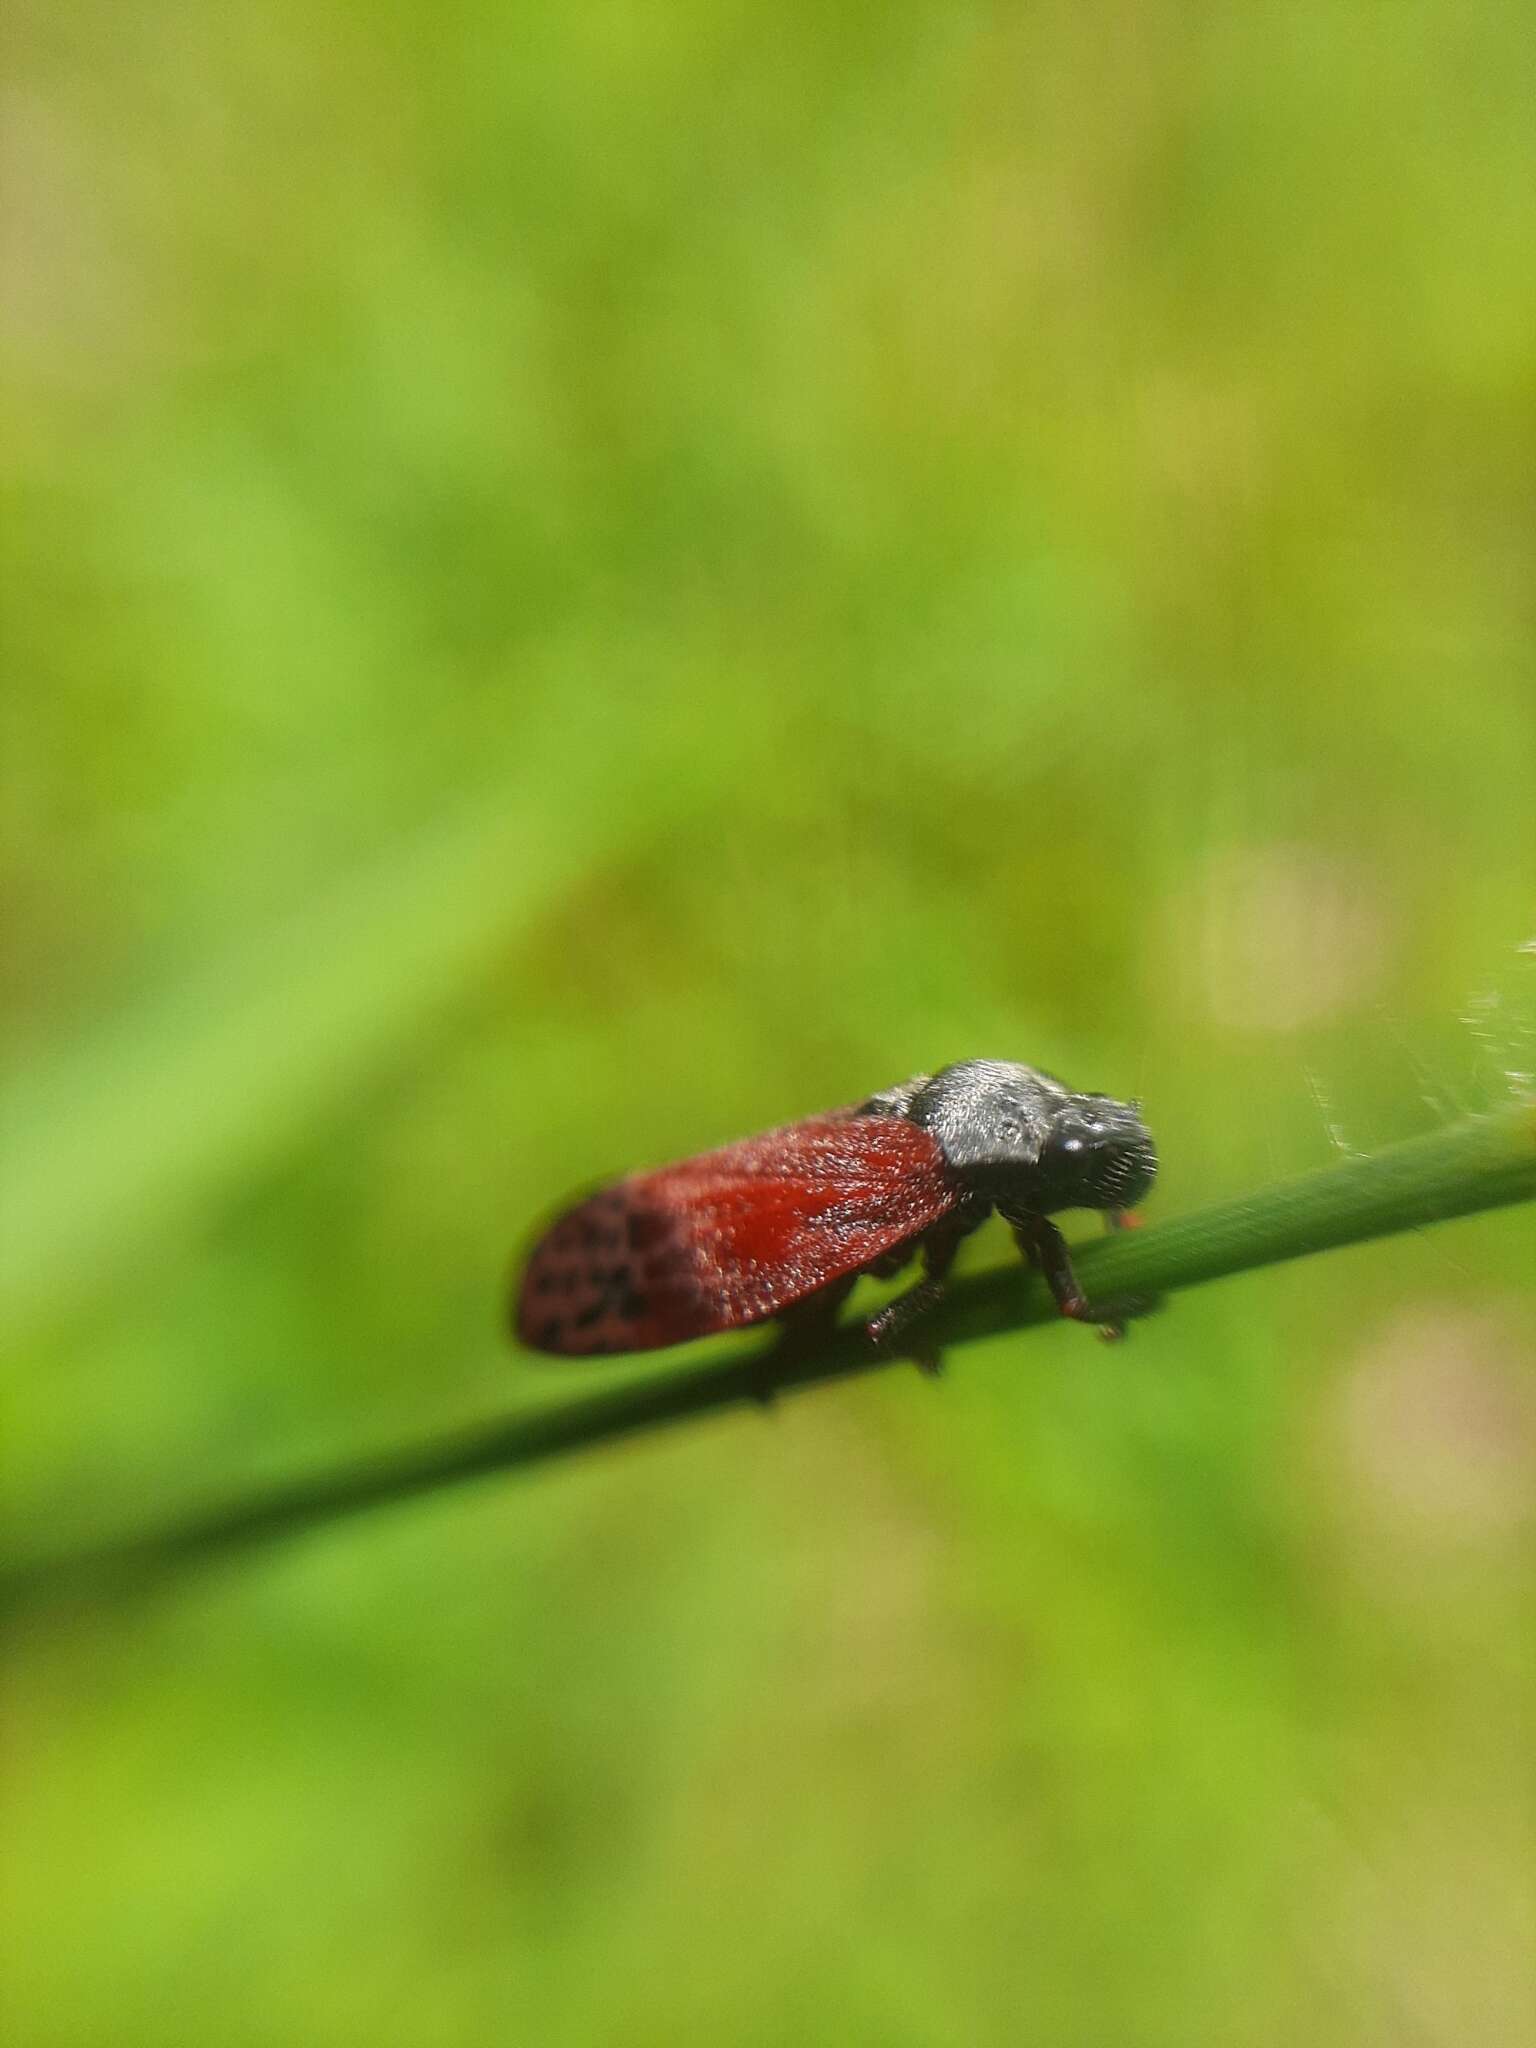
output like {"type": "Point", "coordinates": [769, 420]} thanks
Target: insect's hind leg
{"type": "Point", "coordinates": [886, 1329]}
{"type": "Point", "coordinates": [802, 1327]}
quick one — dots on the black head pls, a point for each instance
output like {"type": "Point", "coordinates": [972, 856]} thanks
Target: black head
{"type": "Point", "coordinates": [1022, 1139]}
{"type": "Point", "coordinates": [1099, 1155]}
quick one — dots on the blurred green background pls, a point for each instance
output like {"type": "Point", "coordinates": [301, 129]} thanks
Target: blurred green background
{"type": "Point", "coordinates": [577, 583]}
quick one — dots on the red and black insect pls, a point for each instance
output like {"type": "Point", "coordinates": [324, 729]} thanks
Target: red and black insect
{"type": "Point", "coordinates": [791, 1219]}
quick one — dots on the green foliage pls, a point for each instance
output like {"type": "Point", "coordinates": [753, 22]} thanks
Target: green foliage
{"type": "Point", "coordinates": [578, 582]}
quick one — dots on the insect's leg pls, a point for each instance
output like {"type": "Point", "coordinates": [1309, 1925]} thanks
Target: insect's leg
{"type": "Point", "coordinates": [898, 1316]}
{"type": "Point", "coordinates": [1126, 1307]}
{"type": "Point", "coordinates": [890, 1263]}
{"type": "Point", "coordinates": [1044, 1247]}
{"type": "Point", "coordinates": [802, 1327]}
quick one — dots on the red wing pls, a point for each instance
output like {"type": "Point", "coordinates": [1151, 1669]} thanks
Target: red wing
{"type": "Point", "coordinates": [732, 1236]}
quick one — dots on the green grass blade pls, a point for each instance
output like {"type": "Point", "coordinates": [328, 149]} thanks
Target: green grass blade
{"type": "Point", "coordinates": [1482, 1163]}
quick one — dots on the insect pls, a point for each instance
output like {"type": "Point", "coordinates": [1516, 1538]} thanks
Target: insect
{"type": "Point", "coordinates": [785, 1223]}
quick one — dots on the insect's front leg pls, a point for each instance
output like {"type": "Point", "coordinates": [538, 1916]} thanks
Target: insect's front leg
{"type": "Point", "coordinates": [1127, 1307]}
{"type": "Point", "coordinates": [939, 1249]}
{"type": "Point", "coordinates": [1044, 1247]}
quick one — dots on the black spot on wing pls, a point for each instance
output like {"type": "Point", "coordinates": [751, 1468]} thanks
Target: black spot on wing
{"type": "Point", "coordinates": [611, 1291]}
